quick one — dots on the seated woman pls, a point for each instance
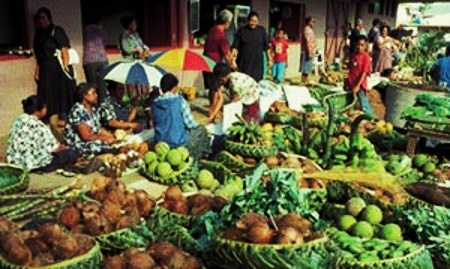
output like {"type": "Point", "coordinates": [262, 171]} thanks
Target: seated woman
{"type": "Point", "coordinates": [173, 120]}
{"type": "Point", "coordinates": [131, 44]}
{"type": "Point", "coordinates": [114, 113]}
{"type": "Point", "coordinates": [31, 143]}
{"type": "Point", "coordinates": [83, 129]}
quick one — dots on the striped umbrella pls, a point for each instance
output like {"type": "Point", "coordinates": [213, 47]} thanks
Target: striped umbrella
{"type": "Point", "coordinates": [134, 73]}
{"type": "Point", "coordinates": [182, 59]}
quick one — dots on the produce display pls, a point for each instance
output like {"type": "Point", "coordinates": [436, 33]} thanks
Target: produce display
{"type": "Point", "coordinates": [48, 245]}
{"type": "Point", "coordinates": [169, 166]}
{"type": "Point", "coordinates": [155, 256]}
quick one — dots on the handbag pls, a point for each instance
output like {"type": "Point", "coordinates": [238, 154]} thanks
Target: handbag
{"type": "Point", "coordinates": [73, 58]}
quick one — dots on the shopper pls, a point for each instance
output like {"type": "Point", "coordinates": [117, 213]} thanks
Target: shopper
{"type": "Point", "coordinates": [359, 69]}
{"type": "Point", "coordinates": [94, 54]}
{"type": "Point", "coordinates": [308, 48]}
{"type": "Point", "coordinates": [250, 45]}
{"type": "Point", "coordinates": [32, 144]}
{"type": "Point", "coordinates": [55, 81]}
{"type": "Point", "coordinates": [217, 48]}
{"type": "Point", "coordinates": [279, 53]}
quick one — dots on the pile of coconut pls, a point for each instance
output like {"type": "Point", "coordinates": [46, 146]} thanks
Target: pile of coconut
{"type": "Point", "coordinates": [48, 244]}
{"type": "Point", "coordinates": [155, 256]}
{"type": "Point", "coordinates": [113, 208]}
{"type": "Point", "coordinates": [287, 229]}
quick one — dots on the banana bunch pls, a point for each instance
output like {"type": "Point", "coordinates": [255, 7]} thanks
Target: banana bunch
{"type": "Point", "coordinates": [247, 133]}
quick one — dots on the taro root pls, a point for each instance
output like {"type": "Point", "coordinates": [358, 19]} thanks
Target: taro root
{"type": "Point", "coordinates": [6, 226]}
{"type": "Point", "coordinates": [97, 225]}
{"type": "Point", "coordinates": [141, 260]}
{"type": "Point", "coordinates": [111, 212]}
{"type": "Point", "coordinates": [116, 192]}
{"type": "Point", "coordinates": [173, 193]}
{"type": "Point", "coordinates": [197, 200]}
{"type": "Point", "coordinates": [260, 233]}
{"type": "Point", "coordinates": [66, 247]}
{"type": "Point", "coordinates": [144, 202]}
{"type": "Point", "coordinates": [124, 222]}
{"type": "Point", "coordinates": [36, 245]}
{"type": "Point", "coordinates": [176, 206]}
{"type": "Point", "coordinates": [177, 259]}
{"type": "Point", "coordinates": [249, 219]}
{"type": "Point", "coordinates": [130, 201]}
{"type": "Point", "coordinates": [50, 233]}
{"type": "Point", "coordinates": [161, 252]}
{"type": "Point", "coordinates": [295, 221]}
{"type": "Point", "coordinates": [114, 262]}
{"type": "Point", "coordinates": [85, 243]}
{"type": "Point", "coordinates": [200, 210]}
{"type": "Point", "coordinates": [98, 188]}
{"type": "Point", "coordinates": [70, 217]}
{"type": "Point", "coordinates": [191, 263]}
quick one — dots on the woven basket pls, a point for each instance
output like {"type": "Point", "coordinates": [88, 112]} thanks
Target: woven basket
{"type": "Point", "coordinates": [89, 260]}
{"type": "Point", "coordinates": [236, 166]}
{"type": "Point", "coordinates": [420, 256]}
{"type": "Point", "coordinates": [13, 179]}
{"type": "Point", "coordinates": [178, 177]}
{"type": "Point", "coordinates": [219, 170]}
{"type": "Point", "coordinates": [253, 151]}
{"type": "Point", "coordinates": [161, 214]}
{"type": "Point", "coordinates": [236, 254]}
{"type": "Point", "coordinates": [121, 240]}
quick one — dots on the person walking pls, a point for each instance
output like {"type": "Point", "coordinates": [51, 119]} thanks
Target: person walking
{"type": "Point", "coordinates": [250, 44]}
{"type": "Point", "coordinates": [308, 48]}
{"type": "Point", "coordinates": [55, 80]}
{"type": "Point", "coordinates": [217, 48]}
{"type": "Point", "coordinates": [94, 54]}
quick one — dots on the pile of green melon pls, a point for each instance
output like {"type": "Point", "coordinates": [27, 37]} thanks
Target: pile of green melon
{"type": "Point", "coordinates": [164, 162]}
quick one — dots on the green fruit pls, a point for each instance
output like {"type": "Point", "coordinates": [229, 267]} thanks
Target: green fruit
{"type": "Point", "coordinates": [362, 229]}
{"type": "Point", "coordinates": [214, 185]}
{"type": "Point", "coordinates": [151, 168]}
{"type": "Point", "coordinates": [149, 157]}
{"type": "Point", "coordinates": [391, 232]}
{"type": "Point", "coordinates": [184, 153]}
{"type": "Point", "coordinates": [164, 169]}
{"type": "Point", "coordinates": [189, 186]}
{"type": "Point", "coordinates": [355, 205]}
{"type": "Point", "coordinates": [429, 167]}
{"type": "Point", "coordinates": [346, 222]}
{"type": "Point", "coordinates": [174, 157]}
{"type": "Point", "coordinates": [205, 179]}
{"type": "Point", "coordinates": [161, 149]}
{"type": "Point", "coordinates": [227, 191]}
{"type": "Point", "coordinates": [236, 182]}
{"type": "Point", "coordinates": [182, 166]}
{"type": "Point", "coordinates": [372, 214]}
{"type": "Point", "coordinates": [419, 160]}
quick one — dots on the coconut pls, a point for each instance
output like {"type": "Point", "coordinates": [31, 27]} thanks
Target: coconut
{"type": "Point", "coordinates": [111, 212]}
{"type": "Point", "coordinates": [70, 217]}
{"type": "Point", "coordinates": [6, 226]}
{"type": "Point", "coordinates": [289, 235]}
{"type": "Point", "coordinates": [249, 219]}
{"type": "Point", "coordinates": [144, 202]}
{"type": "Point", "coordinates": [191, 263]}
{"type": "Point", "coordinates": [161, 251]}
{"type": "Point", "coordinates": [18, 253]}
{"type": "Point", "coordinates": [173, 193]}
{"type": "Point", "coordinates": [66, 247]}
{"type": "Point", "coordinates": [97, 225]}
{"type": "Point", "coordinates": [36, 245]}
{"type": "Point", "coordinates": [50, 233]}
{"type": "Point", "coordinates": [141, 260]}
{"type": "Point", "coordinates": [197, 200]}
{"type": "Point", "coordinates": [295, 221]}
{"type": "Point", "coordinates": [200, 210]}
{"type": "Point", "coordinates": [114, 262]}
{"type": "Point", "coordinates": [176, 260]}
{"type": "Point", "coordinates": [130, 201]}
{"type": "Point", "coordinates": [260, 233]}
{"type": "Point", "coordinates": [178, 206]}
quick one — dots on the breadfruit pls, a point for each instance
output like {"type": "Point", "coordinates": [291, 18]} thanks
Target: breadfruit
{"type": "Point", "coordinates": [346, 222]}
{"type": "Point", "coordinates": [391, 232]}
{"type": "Point", "coordinates": [355, 205]}
{"type": "Point", "coordinates": [362, 229]}
{"type": "Point", "coordinates": [372, 214]}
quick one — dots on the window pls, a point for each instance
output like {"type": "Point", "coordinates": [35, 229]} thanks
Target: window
{"type": "Point", "coordinates": [194, 16]}
{"type": "Point", "coordinates": [383, 7]}
{"type": "Point", "coordinates": [12, 27]}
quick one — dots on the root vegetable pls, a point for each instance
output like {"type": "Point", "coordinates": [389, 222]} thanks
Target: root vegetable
{"type": "Point", "coordinates": [17, 252]}
{"type": "Point", "coordinates": [36, 245]}
{"type": "Point", "coordinates": [85, 243]}
{"type": "Point", "coordinates": [50, 233]}
{"type": "Point", "coordinates": [144, 202]}
{"type": "Point", "coordinates": [178, 206]}
{"type": "Point", "coordinates": [218, 203]}
{"type": "Point", "coordinates": [260, 233]}
{"type": "Point", "coordinates": [233, 233]}
{"type": "Point", "coordinates": [161, 252]}
{"type": "Point", "coordinates": [43, 259]}
{"type": "Point", "coordinates": [97, 225]}
{"type": "Point", "coordinates": [130, 201]}
{"type": "Point", "coordinates": [191, 263]}
{"type": "Point", "coordinates": [294, 220]}
{"type": "Point", "coordinates": [200, 210]}
{"type": "Point", "coordinates": [289, 235]}
{"type": "Point", "coordinates": [177, 259]}
{"type": "Point", "coordinates": [197, 200]}
{"type": "Point", "coordinates": [90, 210]}
{"type": "Point", "coordinates": [99, 183]}
{"type": "Point", "coordinates": [124, 222]}
{"type": "Point", "coordinates": [111, 212]}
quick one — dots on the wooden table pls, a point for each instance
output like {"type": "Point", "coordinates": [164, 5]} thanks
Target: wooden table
{"type": "Point", "coordinates": [413, 136]}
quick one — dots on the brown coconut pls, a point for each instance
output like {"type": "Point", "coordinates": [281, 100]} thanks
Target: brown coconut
{"type": "Point", "coordinates": [141, 260]}
{"type": "Point", "coordinates": [50, 233]}
{"type": "Point", "coordinates": [70, 217]}
{"type": "Point", "coordinates": [294, 220]}
{"type": "Point", "coordinates": [114, 262]}
{"type": "Point", "coordinates": [111, 212]}
{"type": "Point", "coordinates": [249, 219]}
{"type": "Point", "coordinates": [260, 233]}
{"type": "Point", "coordinates": [191, 263]}
{"type": "Point", "coordinates": [66, 247]}
{"type": "Point", "coordinates": [161, 251]}
{"type": "Point", "coordinates": [173, 193]}
{"type": "Point", "coordinates": [36, 245]}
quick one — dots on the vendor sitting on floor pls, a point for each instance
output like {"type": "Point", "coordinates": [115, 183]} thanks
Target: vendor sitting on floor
{"type": "Point", "coordinates": [114, 113]}
{"type": "Point", "coordinates": [239, 87]}
{"type": "Point", "coordinates": [31, 143]}
{"type": "Point", "coordinates": [83, 130]}
{"type": "Point", "coordinates": [172, 117]}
